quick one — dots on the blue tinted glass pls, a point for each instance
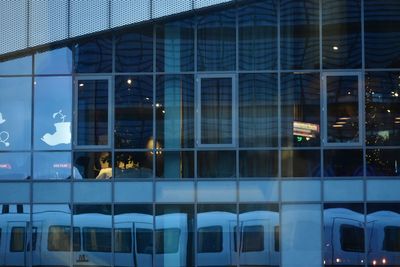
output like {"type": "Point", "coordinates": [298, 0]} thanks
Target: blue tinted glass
{"type": "Point", "coordinates": [133, 112]}
{"type": "Point", "coordinates": [382, 107]}
{"type": "Point", "coordinates": [341, 34]}
{"type": "Point", "coordinates": [258, 35]}
{"type": "Point", "coordinates": [216, 164]}
{"type": "Point", "coordinates": [383, 162]}
{"type": "Point", "coordinates": [57, 61]}
{"type": "Point", "coordinates": [52, 165]}
{"type": "Point", "coordinates": [258, 110]}
{"type": "Point", "coordinates": [53, 114]}
{"type": "Point", "coordinates": [18, 66]}
{"type": "Point", "coordinates": [301, 163]}
{"type": "Point", "coordinates": [134, 51]}
{"type": "Point", "coordinates": [179, 164]}
{"type": "Point", "coordinates": [92, 165]}
{"type": "Point", "coordinates": [15, 113]}
{"type": "Point", "coordinates": [299, 34]}
{"type": "Point", "coordinates": [216, 41]}
{"type": "Point", "coordinates": [300, 100]}
{"type": "Point", "coordinates": [93, 56]}
{"type": "Point", "coordinates": [344, 162]}
{"type": "Point", "coordinates": [175, 111]}
{"type": "Point", "coordinates": [92, 125]}
{"type": "Point", "coordinates": [15, 166]}
{"type": "Point", "coordinates": [258, 163]}
{"type": "Point", "coordinates": [175, 46]}
{"type": "Point", "coordinates": [382, 33]}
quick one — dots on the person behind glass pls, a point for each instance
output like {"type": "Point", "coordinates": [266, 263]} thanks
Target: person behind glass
{"type": "Point", "coordinates": [105, 166]}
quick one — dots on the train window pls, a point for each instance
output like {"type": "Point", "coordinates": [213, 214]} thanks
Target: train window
{"type": "Point", "coordinates": [392, 237]}
{"type": "Point", "coordinates": [276, 238]}
{"type": "Point", "coordinates": [351, 238]}
{"type": "Point", "coordinates": [209, 239]}
{"type": "Point", "coordinates": [253, 238]}
{"type": "Point", "coordinates": [77, 239]}
{"type": "Point", "coordinates": [58, 238]}
{"type": "Point", "coordinates": [97, 239]}
{"type": "Point", "coordinates": [34, 237]}
{"type": "Point", "coordinates": [144, 241]}
{"type": "Point", "coordinates": [167, 240]}
{"type": "Point", "coordinates": [123, 240]}
{"type": "Point", "coordinates": [17, 239]}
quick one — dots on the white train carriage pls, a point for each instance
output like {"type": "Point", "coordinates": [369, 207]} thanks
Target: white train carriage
{"type": "Point", "coordinates": [383, 238]}
{"type": "Point", "coordinates": [343, 237]}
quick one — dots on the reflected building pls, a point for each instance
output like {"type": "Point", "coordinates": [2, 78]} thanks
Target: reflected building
{"type": "Point", "coordinates": [195, 133]}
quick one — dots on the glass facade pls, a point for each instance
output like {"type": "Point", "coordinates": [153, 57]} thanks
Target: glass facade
{"type": "Point", "coordinates": [259, 133]}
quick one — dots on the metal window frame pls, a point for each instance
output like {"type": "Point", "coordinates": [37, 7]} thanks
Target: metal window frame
{"type": "Point", "coordinates": [324, 107]}
{"type": "Point", "coordinates": [109, 110]}
{"type": "Point", "coordinates": [198, 114]}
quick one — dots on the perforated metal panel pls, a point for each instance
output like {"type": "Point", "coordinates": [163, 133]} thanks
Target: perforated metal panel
{"type": "Point", "coordinates": [125, 12]}
{"type": "Point", "coordinates": [163, 8]}
{"type": "Point", "coordinates": [205, 3]}
{"type": "Point", "coordinates": [88, 16]}
{"type": "Point", "coordinates": [13, 25]}
{"type": "Point", "coordinates": [48, 21]}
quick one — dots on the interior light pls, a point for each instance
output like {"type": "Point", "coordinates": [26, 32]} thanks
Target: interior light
{"type": "Point", "coordinates": [337, 126]}
{"type": "Point", "coordinates": [81, 85]}
{"type": "Point", "coordinates": [344, 118]}
{"type": "Point", "coordinates": [163, 111]}
{"type": "Point", "coordinates": [396, 94]}
{"type": "Point", "coordinates": [384, 261]}
{"type": "Point", "coordinates": [147, 98]}
{"type": "Point", "coordinates": [341, 122]}
{"type": "Point", "coordinates": [335, 48]}
{"type": "Point", "coordinates": [129, 81]}
{"type": "Point", "coordinates": [337, 260]}
{"type": "Point", "coordinates": [374, 262]}
{"type": "Point", "coordinates": [349, 93]}
{"type": "Point", "coordinates": [388, 110]}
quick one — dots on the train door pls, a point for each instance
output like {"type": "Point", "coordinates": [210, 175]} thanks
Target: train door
{"type": "Point", "coordinates": [256, 245]}
{"type": "Point", "coordinates": [17, 250]}
{"type": "Point", "coordinates": [143, 244]}
{"type": "Point", "coordinates": [348, 241]}
{"type": "Point", "coordinates": [37, 243]}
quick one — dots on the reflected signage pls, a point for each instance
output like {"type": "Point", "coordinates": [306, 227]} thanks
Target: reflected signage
{"type": "Point", "coordinates": [304, 129]}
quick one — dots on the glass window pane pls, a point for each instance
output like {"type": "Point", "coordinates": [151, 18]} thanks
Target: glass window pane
{"type": "Point", "coordinates": [300, 100]}
{"type": "Point", "coordinates": [174, 235]}
{"type": "Point", "coordinates": [258, 163]}
{"type": "Point", "coordinates": [299, 34]}
{"type": "Point", "coordinates": [136, 220]}
{"type": "Point", "coordinates": [57, 61]}
{"type": "Point", "coordinates": [342, 109]}
{"type": "Point", "coordinates": [93, 117]}
{"type": "Point", "coordinates": [134, 51]}
{"type": "Point", "coordinates": [341, 34]}
{"type": "Point", "coordinates": [301, 163]}
{"type": "Point", "coordinates": [383, 243]}
{"type": "Point", "coordinates": [53, 113]}
{"type": "Point", "coordinates": [133, 112]}
{"type": "Point", "coordinates": [216, 111]}
{"type": "Point", "coordinates": [382, 33]}
{"type": "Point", "coordinates": [216, 164]}
{"type": "Point", "coordinates": [52, 165]}
{"type": "Point", "coordinates": [17, 66]}
{"type": "Point", "coordinates": [94, 222]}
{"type": "Point", "coordinates": [258, 35]}
{"type": "Point", "coordinates": [176, 165]}
{"type": "Point", "coordinates": [175, 46]}
{"type": "Point", "coordinates": [301, 235]}
{"type": "Point", "coordinates": [134, 164]}
{"type": "Point", "coordinates": [53, 227]}
{"type": "Point", "coordinates": [15, 166]}
{"type": "Point", "coordinates": [92, 165]}
{"type": "Point", "coordinates": [344, 162]}
{"type": "Point", "coordinates": [383, 162]}
{"type": "Point", "coordinates": [94, 55]}
{"type": "Point", "coordinates": [259, 231]}
{"type": "Point", "coordinates": [214, 224]}
{"type": "Point", "coordinates": [258, 110]}
{"type": "Point", "coordinates": [382, 107]}
{"type": "Point", "coordinates": [15, 113]}
{"type": "Point", "coordinates": [216, 41]}
{"type": "Point", "coordinates": [175, 111]}
{"type": "Point", "coordinates": [344, 231]}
